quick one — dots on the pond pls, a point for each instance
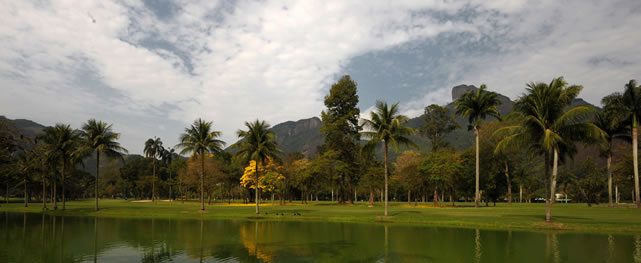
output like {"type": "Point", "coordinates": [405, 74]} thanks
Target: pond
{"type": "Point", "coordinates": [44, 238]}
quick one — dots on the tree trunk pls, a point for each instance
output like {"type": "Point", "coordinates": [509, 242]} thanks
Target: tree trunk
{"type": "Point", "coordinates": [64, 200]}
{"type": "Point", "coordinates": [509, 184]}
{"type": "Point", "coordinates": [202, 181]}
{"type": "Point", "coordinates": [610, 204]}
{"type": "Point", "coordinates": [332, 194]}
{"type": "Point", "coordinates": [520, 193]}
{"type": "Point", "coordinates": [26, 200]}
{"type": "Point", "coordinates": [548, 207]}
{"type": "Point", "coordinates": [44, 192]}
{"type": "Point", "coordinates": [371, 197]}
{"type": "Point", "coordinates": [55, 195]}
{"type": "Point", "coordinates": [616, 194]}
{"type": "Point", "coordinates": [476, 195]}
{"type": "Point", "coordinates": [386, 174]}
{"type": "Point", "coordinates": [170, 183]}
{"type": "Point", "coordinates": [153, 179]}
{"type": "Point", "coordinates": [435, 197]}
{"type": "Point", "coordinates": [180, 191]}
{"type": "Point", "coordinates": [97, 178]}
{"type": "Point", "coordinates": [635, 158]}
{"type": "Point", "coordinates": [257, 191]}
{"type": "Point", "coordinates": [409, 196]}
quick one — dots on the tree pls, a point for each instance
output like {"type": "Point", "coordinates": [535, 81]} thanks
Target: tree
{"type": "Point", "coordinates": [505, 158]}
{"type": "Point", "coordinates": [438, 122]}
{"type": "Point", "coordinates": [63, 144]}
{"type": "Point", "coordinates": [390, 128]}
{"type": "Point", "coordinates": [25, 167]}
{"type": "Point", "coordinates": [132, 171]}
{"type": "Point", "coordinates": [407, 172]}
{"type": "Point", "coordinates": [300, 173]}
{"type": "Point", "coordinates": [627, 106]}
{"type": "Point", "coordinates": [440, 168]}
{"type": "Point", "coordinates": [199, 139]}
{"type": "Point", "coordinates": [8, 146]}
{"type": "Point", "coordinates": [612, 128]}
{"type": "Point", "coordinates": [99, 137]}
{"type": "Point", "coordinates": [257, 143]}
{"type": "Point", "coordinates": [476, 106]}
{"type": "Point", "coordinates": [341, 130]}
{"type": "Point", "coordinates": [168, 157]}
{"type": "Point", "coordinates": [153, 149]}
{"type": "Point", "coordinates": [270, 180]}
{"type": "Point", "coordinates": [190, 175]}
{"type": "Point", "coordinates": [550, 126]}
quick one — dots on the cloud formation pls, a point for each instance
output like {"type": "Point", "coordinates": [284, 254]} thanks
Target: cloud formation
{"type": "Point", "coordinates": [151, 67]}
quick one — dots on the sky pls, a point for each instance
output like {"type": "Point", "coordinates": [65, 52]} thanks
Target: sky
{"type": "Point", "coordinates": [152, 67]}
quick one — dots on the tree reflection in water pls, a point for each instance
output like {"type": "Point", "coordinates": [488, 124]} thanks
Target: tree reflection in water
{"type": "Point", "coordinates": [37, 238]}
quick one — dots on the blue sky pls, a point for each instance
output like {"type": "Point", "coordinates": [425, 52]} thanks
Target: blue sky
{"type": "Point", "coordinates": [152, 67]}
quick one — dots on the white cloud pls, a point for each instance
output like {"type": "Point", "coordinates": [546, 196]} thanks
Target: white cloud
{"type": "Point", "coordinates": [594, 44]}
{"type": "Point", "coordinates": [274, 60]}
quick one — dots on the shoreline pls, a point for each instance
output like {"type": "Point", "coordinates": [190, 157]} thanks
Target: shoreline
{"type": "Point", "coordinates": [574, 218]}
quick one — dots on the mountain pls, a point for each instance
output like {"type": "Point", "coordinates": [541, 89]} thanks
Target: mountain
{"type": "Point", "coordinates": [302, 136]}
{"type": "Point", "coordinates": [27, 128]}
{"type": "Point", "coordinates": [31, 129]}
{"type": "Point", "coordinates": [460, 138]}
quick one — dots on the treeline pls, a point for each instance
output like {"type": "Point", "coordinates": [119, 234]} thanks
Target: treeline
{"type": "Point", "coordinates": [547, 149]}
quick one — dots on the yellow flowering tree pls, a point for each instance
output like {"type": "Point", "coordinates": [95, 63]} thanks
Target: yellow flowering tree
{"type": "Point", "coordinates": [269, 180]}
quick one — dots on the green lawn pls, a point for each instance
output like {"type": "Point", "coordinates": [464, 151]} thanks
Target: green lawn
{"type": "Point", "coordinates": [568, 217]}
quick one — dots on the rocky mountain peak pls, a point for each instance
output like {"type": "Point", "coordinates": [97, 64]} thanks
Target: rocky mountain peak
{"type": "Point", "coordinates": [458, 91]}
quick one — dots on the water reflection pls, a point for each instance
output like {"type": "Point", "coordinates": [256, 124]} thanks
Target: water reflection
{"type": "Point", "coordinates": [45, 238]}
{"type": "Point", "coordinates": [386, 242]}
{"type": "Point", "coordinates": [477, 246]}
{"type": "Point", "coordinates": [95, 239]}
{"type": "Point", "coordinates": [637, 249]}
{"type": "Point", "coordinates": [611, 246]}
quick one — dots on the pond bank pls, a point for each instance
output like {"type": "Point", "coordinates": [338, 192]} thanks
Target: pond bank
{"type": "Point", "coordinates": [567, 217]}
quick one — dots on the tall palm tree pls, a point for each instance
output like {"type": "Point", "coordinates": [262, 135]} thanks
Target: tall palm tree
{"type": "Point", "coordinates": [257, 143]}
{"type": "Point", "coordinates": [99, 137]}
{"type": "Point", "coordinates": [199, 139]}
{"type": "Point", "coordinates": [167, 156]}
{"type": "Point", "coordinates": [153, 149]}
{"type": "Point", "coordinates": [627, 106]}
{"type": "Point", "coordinates": [388, 126]}
{"type": "Point", "coordinates": [476, 106]}
{"type": "Point", "coordinates": [549, 127]}
{"type": "Point", "coordinates": [612, 128]}
{"type": "Point", "coordinates": [63, 144]}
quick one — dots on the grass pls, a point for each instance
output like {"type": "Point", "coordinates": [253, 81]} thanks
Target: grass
{"type": "Point", "coordinates": [567, 217]}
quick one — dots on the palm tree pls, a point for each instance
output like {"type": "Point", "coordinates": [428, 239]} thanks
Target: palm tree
{"type": "Point", "coordinates": [550, 127]}
{"type": "Point", "coordinates": [63, 144]}
{"type": "Point", "coordinates": [257, 143]}
{"type": "Point", "coordinates": [25, 166]}
{"type": "Point", "coordinates": [199, 139]}
{"type": "Point", "coordinates": [99, 137]}
{"type": "Point", "coordinates": [627, 106]}
{"type": "Point", "coordinates": [153, 148]}
{"type": "Point", "coordinates": [476, 106]}
{"type": "Point", "coordinates": [167, 157]}
{"type": "Point", "coordinates": [612, 128]}
{"type": "Point", "coordinates": [390, 128]}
